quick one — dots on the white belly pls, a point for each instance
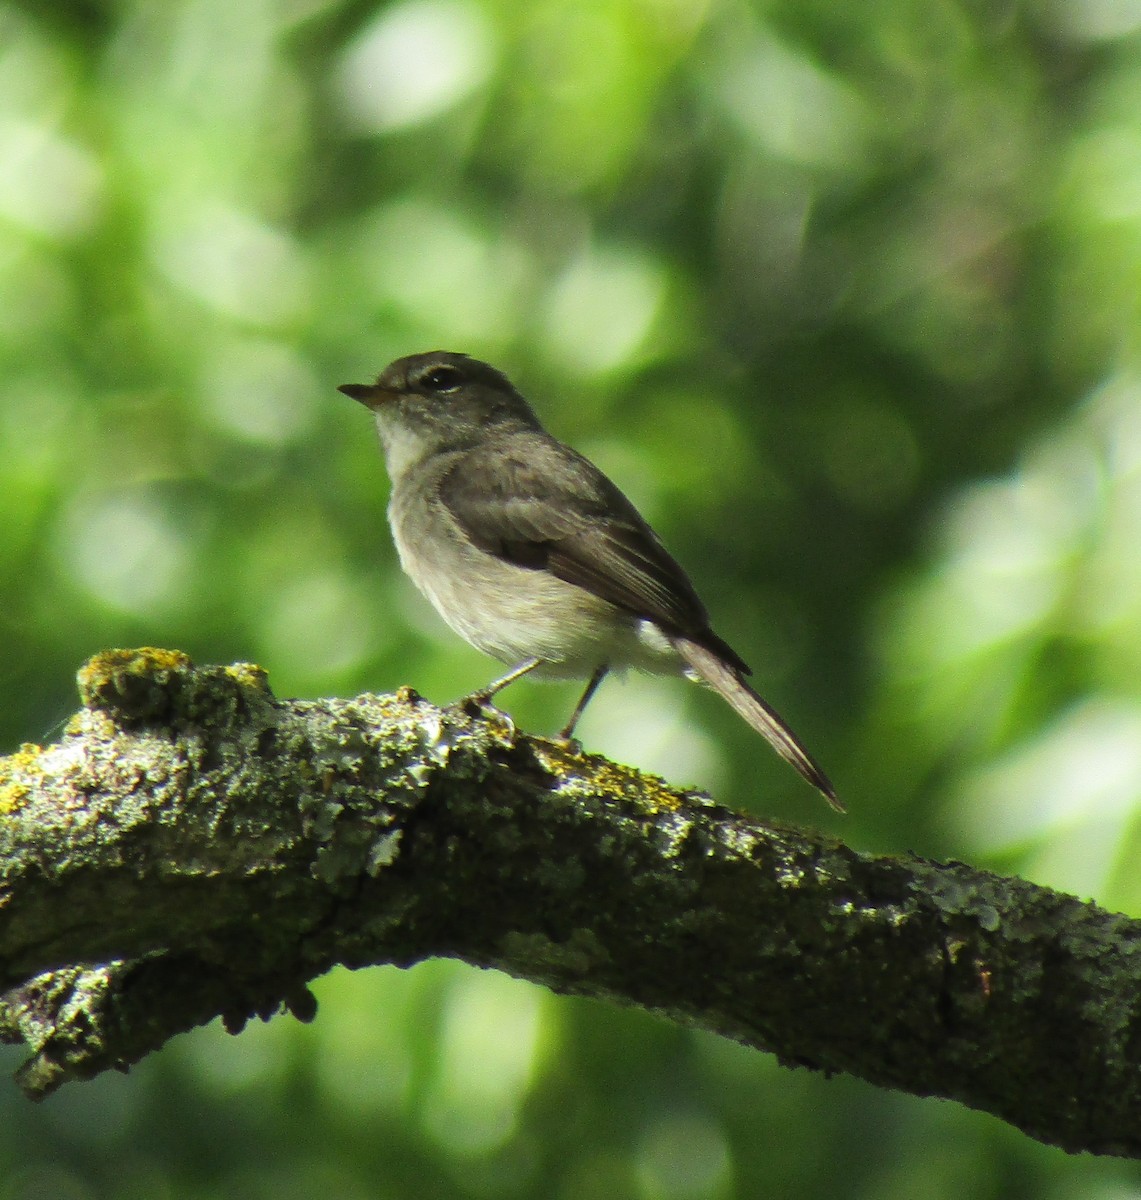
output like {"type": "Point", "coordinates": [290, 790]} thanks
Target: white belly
{"type": "Point", "coordinates": [514, 613]}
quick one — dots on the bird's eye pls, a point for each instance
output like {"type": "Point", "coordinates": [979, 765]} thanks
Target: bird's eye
{"type": "Point", "coordinates": [441, 379]}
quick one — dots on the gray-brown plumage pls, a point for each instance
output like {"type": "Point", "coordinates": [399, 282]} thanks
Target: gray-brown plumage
{"type": "Point", "coordinates": [531, 554]}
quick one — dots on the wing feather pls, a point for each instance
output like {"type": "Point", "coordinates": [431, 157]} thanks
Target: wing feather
{"type": "Point", "coordinates": [543, 506]}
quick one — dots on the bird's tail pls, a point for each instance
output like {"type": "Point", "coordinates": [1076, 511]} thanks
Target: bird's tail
{"type": "Point", "coordinates": [729, 682]}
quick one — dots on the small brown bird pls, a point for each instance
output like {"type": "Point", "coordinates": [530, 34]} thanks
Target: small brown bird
{"type": "Point", "coordinates": [531, 554]}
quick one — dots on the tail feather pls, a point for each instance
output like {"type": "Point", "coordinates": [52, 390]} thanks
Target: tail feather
{"type": "Point", "coordinates": [725, 679]}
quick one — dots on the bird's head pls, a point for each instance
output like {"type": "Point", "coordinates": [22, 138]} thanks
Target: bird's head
{"type": "Point", "coordinates": [427, 402]}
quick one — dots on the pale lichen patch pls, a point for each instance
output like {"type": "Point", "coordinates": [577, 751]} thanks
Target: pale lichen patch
{"type": "Point", "coordinates": [384, 852]}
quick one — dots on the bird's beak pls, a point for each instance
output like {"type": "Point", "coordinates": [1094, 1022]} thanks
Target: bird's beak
{"type": "Point", "coordinates": [368, 394]}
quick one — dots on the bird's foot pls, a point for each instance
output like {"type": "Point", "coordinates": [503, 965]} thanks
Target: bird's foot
{"type": "Point", "coordinates": [569, 743]}
{"type": "Point", "coordinates": [479, 706]}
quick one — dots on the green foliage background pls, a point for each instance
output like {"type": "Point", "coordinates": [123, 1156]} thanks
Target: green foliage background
{"type": "Point", "coordinates": [845, 296]}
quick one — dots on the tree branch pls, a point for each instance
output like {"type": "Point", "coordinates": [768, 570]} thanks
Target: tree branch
{"type": "Point", "coordinates": [194, 847]}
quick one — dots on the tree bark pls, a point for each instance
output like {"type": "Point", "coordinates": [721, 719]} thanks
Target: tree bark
{"type": "Point", "coordinates": [194, 847]}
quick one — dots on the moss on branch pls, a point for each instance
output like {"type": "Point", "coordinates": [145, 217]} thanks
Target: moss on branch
{"type": "Point", "coordinates": [195, 847]}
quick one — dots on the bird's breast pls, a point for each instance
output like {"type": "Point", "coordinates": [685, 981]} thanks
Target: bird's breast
{"type": "Point", "coordinates": [511, 612]}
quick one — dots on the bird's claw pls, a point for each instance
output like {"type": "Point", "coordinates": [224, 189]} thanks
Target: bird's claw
{"type": "Point", "coordinates": [479, 706]}
{"type": "Point", "coordinates": [568, 743]}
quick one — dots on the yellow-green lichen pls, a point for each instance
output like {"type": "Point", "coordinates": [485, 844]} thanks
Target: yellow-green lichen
{"type": "Point", "coordinates": [249, 675]}
{"type": "Point", "coordinates": [19, 774]}
{"type": "Point", "coordinates": [650, 793]}
{"type": "Point", "coordinates": [102, 672]}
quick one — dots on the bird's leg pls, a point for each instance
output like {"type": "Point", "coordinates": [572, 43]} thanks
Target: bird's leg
{"type": "Point", "coordinates": [599, 675]}
{"type": "Point", "coordinates": [481, 700]}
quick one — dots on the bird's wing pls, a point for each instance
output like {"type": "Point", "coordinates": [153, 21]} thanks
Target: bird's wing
{"type": "Point", "coordinates": [537, 503]}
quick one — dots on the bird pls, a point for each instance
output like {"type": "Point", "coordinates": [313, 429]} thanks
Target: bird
{"type": "Point", "coordinates": [532, 555]}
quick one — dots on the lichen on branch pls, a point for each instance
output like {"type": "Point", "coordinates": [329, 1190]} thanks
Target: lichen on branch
{"type": "Point", "coordinates": [195, 847]}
